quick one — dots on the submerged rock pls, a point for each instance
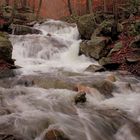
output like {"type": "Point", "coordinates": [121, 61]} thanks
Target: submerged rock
{"type": "Point", "coordinates": [55, 134]}
{"type": "Point", "coordinates": [105, 87]}
{"type": "Point", "coordinates": [80, 98]}
{"type": "Point", "coordinates": [111, 78]}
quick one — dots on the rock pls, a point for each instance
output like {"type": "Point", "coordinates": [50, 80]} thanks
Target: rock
{"type": "Point", "coordinates": [116, 48]}
{"type": "Point", "coordinates": [135, 43]}
{"type": "Point", "coordinates": [7, 12]}
{"type": "Point", "coordinates": [80, 98]}
{"type": "Point", "coordinates": [25, 16]}
{"type": "Point", "coordinates": [108, 28]}
{"type": "Point", "coordinates": [130, 60]}
{"type": "Point", "coordinates": [95, 68]}
{"type": "Point", "coordinates": [5, 48]}
{"type": "Point", "coordinates": [10, 137]}
{"type": "Point", "coordinates": [111, 78]}
{"type": "Point", "coordinates": [23, 30]}
{"type": "Point", "coordinates": [86, 25]}
{"type": "Point", "coordinates": [6, 61]}
{"type": "Point", "coordinates": [109, 64]}
{"type": "Point", "coordinates": [105, 87]}
{"type": "Point", "coordinates": [95, 48]}
{"type": "Point", "coordinates": [55, 135]}
{"type": "Point", "coordinates": [82, 88]}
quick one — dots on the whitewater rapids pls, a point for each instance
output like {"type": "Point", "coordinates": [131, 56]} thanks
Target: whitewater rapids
{"type": "Point", "coordinates": [28, 113]}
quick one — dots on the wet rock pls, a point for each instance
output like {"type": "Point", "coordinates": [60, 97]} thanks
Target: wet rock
{"type": "Point", "coordinates": [80, 98]}
{"type": "Point", "coordinates": [105, 87]}
{"type": "Point", "coordinates": [55, 135]}
{"type": "Point", "coordinates": [111, 78]}
{"type": "Point", "coordinates": [95, 68]}
{"type": "Point", "coordinates": [95, 48]}
{"type": "Point", "coordinates": [86, 26]}
{"type": "Point", "coordinates": [23, 30]}
{"type": "Point", "coordinates": [109, 64]}
{"type": "Point", "coordinates": [9, 137]}
{"type": "Point", "coordinates": [114, 116]}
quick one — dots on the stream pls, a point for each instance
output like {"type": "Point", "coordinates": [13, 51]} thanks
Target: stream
{"type": "Point", "coordinates": [40, 97]}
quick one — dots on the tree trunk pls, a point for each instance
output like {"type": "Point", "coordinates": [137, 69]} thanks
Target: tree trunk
{"type": "Point", "coordinates": [90, 6]}
{"type": "Point", "coordinates": [105, 6]}
{"type": "Point", "coordinates": [24, 3]}
{"type": "Point", "coordinates": [39, 8]}
{"type": "Point", "coordinates": [33, 6]}
{"type": "Point", "coordinates": [70, 7]}
{"type": "Point", "coordinates": [7, 2]}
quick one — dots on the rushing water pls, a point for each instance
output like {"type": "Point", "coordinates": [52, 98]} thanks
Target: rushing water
{"type": "Point", "coordinates": [28, 113]}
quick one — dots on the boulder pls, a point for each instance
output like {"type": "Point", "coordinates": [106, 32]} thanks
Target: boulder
{"type": "Point", "coordinates": [5, 48]}
{"type": "Point", "coordinates": [109, 64]}
{"type": "Point", "coordinates": [105, 87]}
{"type": "Point", "coordinates": [95, 48]}
{"type": "Point", "coordinates": [86, 25]}
{"type": "Point", "coordinates": [108, 28]}
{"type": "Point", "coordinates": [23, 30]}
{"type": "Point", "coordinates": [6, 61]}
{"type": "Point", "coordinates": [95, 68]}
{"type": "Point", "coordinates": [55, 134]}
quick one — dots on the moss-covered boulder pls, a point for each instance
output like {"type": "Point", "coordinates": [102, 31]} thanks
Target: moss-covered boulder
{"type": "Point", "coordinates": [86, 25]}
{"type": "Point", "coordinates": [95, 48]}
{"type": "Point", "coordinates": [6, 61]}
{"type": "Point", "coordinates": [5, 48]}
{"type": "Point", "coordinates": [23, 30]}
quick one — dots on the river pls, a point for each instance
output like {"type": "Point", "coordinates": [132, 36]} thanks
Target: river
{"type": "Point", "coordinates": [40, 97]}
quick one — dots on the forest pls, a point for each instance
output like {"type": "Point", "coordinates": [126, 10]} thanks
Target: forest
{"type": "Point", "coordinates": [69, 69]}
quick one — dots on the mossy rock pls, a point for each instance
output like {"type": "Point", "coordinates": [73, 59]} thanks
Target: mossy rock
{"type": "Point", "coordinates": [23, 30]}
{"type": "Point", "coordinates": [95, 48]}
{"type": "Point", "coordinates": [86, 25]}
{"type": "Point", "coordinates": [5, 48]}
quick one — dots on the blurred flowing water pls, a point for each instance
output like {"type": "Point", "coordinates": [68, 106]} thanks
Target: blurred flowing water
{"type": "Point", "coordinates": [28, 113]}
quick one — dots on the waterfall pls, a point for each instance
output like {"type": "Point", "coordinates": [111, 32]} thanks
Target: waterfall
{"type": "Point", "coordinates": [29, 112]}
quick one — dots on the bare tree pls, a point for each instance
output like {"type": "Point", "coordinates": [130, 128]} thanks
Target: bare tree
{"type": "Point", "coordinates": [33, 6]}
{"type": "Point", "coordinates": [38, 10]}
{"type": "Point", "coordinates": [70, 7]}
{"type": "Point", "coordinates": [105, 6]}
{"type": "Point", "coordinates": [7, 2]}
{"type": "Point", "coordinates": [90, 6]}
